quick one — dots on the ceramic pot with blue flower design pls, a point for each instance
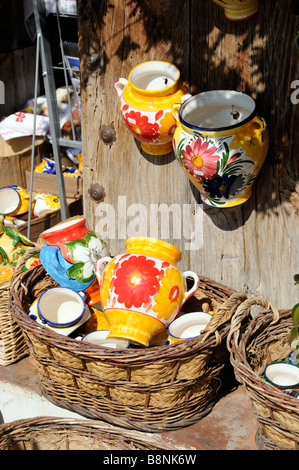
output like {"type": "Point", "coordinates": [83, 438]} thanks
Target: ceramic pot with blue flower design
{"type": "Point", "coordinates": [70, 253]}
{"type": "Point", "coordinates": [221, 144]}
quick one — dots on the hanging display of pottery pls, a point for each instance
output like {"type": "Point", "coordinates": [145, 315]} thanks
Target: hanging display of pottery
{"type": "Point", "coordinates": [221, 144]}
{"type": "Point", "coordinates": [145, 104]}
{"type": "Point", "coordinates": [143, 290]}
{"type": "Point", "coordinates": [237, 10]}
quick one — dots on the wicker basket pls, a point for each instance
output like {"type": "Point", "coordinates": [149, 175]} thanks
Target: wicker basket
{"type": "Point", "coordinates": [12, 342]}
{"type": "Point", "coordinates": [49, 433]}
{"type": "Point", "coordinates": [150, 389]}
{"type": "Point", "coordinates": [264, 340]}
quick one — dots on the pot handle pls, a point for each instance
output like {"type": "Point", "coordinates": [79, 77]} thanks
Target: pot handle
{"type": "Point", "coordinates": [176, 107]}
{"type": "Point", "coordinates": [119, 85]}
{"type": "Point", "coordinates": [101, 261]}
{"type": "Point", "coordinates": [191, 291]}
{"type": "Point", "coordinates": [261, 126]}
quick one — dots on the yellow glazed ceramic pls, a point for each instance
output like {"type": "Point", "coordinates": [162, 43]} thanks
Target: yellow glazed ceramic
{"type": "Point", "coordinates": [237, 10]}
{"type": "Point", "coordinates": [145, 104]}
{"type": "Point", "coordinates": [23, 207]}
{"type": "Point", "coordinates": [221, 144]}
{"type": "Point", "coordinates": [12, 244]}
{"type": "Point", "coordinates": [142, 290]}
{"type": "Point", "coordinates": [44, 203]}
{"type": "Point", "coordinates": [14, 200]}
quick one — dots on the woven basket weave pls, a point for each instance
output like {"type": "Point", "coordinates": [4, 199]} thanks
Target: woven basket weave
{"type": "Point", "coordinates": [151, 389]}
{"type": "Point", "coordinates": [49, 433]}
{"type": "Point", "coordinates": [265, 340]}
{"type": "Point", "coordinates": [12, 342]}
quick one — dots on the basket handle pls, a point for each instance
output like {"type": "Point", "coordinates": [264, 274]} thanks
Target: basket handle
{"type": "Point", "coordinates": [17, 275]}
{"type": "Point", "coordinates": [242, 311]}
{"type": "Point", "coordinates": [223, 313]}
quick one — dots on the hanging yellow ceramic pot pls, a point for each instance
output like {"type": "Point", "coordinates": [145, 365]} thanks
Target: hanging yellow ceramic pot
{"type": "Point", "coordinates": [221, 144]}
{"type": "Point", "coordinates": [143, 290]}
{"type": "Point", "coordinates": [145, 104]}
{"type": "Point", "coordinates": [237, 10]}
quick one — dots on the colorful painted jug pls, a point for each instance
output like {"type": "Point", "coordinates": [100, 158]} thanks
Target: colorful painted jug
{"type": "Point", "coordinates": [142, 290]}
{"type": "Point", "coordinates": [221, 144]}
{"type": "Point", "coordinates": [70, 253]}
{"type": "Point", "coordinates": [145, 104]}
{"type": "Point", "coordinates": [237, 10]}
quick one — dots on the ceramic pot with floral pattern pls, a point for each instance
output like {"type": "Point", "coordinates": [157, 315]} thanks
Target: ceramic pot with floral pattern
{"type": "Point", "coordinates": [221, 144]}
{"type": "Point", "coordinates": [143, 290]}
{"type": "Point", "coordinates": [70, 253]}
{"type": "Point", "coordinates": [145, 104]}
{"type": "Point", "coordinates": [237, 10]}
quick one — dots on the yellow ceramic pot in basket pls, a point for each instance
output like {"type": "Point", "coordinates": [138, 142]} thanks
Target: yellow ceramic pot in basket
{"type": "Point", "coordinates": [143, 290]}
{"type": "Point", "coordinates": [237, 10]}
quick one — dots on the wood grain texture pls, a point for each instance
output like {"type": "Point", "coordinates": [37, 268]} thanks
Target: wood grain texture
{"type": "Point", "coordinates": [253, 247]}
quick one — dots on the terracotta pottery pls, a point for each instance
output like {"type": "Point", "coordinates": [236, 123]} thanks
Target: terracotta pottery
{"type": "Point", "coordinates": [145, 104]}
{"type": "Point", "coordinates": [237, 10]}
{"type": "Point", "coordinates": [142, 290]}
{"type": "Point", "coordinates": [70, 253]}
{"type": "Point", "coordinates": [221, 144]}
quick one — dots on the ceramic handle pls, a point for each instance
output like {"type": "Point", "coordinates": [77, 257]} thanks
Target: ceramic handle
{"type": "Point", "coordinates": [175, 111]}
{"type": "Point", "coordinates": [119, 85]}
{"type": "Point", "coordinates": [176, 107]}
{"type": "Point", "coordinates": [261, 126]}
{"type": "Point", "coordinates": [101, 261]}
{"type": "Point", "coordinates": [191, 291]}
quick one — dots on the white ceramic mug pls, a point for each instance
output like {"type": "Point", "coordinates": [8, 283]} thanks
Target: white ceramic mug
{"type": "Point", "coordinates": [9, 200]}
{"type": "Point", "coordinates": [188, 325]}
{"type": "Point", "coordinates": [60, 307]}
{"type": "Point", "coordinates": [99, 337]}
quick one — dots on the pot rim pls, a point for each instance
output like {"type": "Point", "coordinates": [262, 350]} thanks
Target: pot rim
{"type": "Point", "coordinates": [288, 365]}
{"type": "Point", "coordinates": [66, 324]}
{"type": "Point", "coordinates": [216, 129]}
{"type": "Point", "coordinates": [160, 92]}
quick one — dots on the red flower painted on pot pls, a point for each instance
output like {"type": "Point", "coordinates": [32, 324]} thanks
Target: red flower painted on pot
{"type": "Point", "coordinates": [136, 281]}
{"type": "Point", "coordinates": [141, 127]}
{"type": "Point", "coordinates": [200, 159]}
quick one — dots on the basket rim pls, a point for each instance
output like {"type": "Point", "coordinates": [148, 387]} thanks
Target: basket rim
{"type": "Point", "coordinates": [88, 425]}
{"type": "Point", "coordinates": [238, 345]}
{"type": "Point", "coordinates": [86, 350]}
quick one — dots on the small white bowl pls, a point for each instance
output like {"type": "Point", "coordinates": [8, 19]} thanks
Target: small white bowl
{"type": "Point", "coordinates": [189, 325]}
{"type": "Point", "coordinates": [60, 307]}
{"type": "Point", "coordinates": [99, 338]}
{"type": "Point", "coordinates": [282, 374]}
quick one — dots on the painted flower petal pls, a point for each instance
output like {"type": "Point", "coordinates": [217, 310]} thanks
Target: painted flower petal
{"type": "Point", "coordinates": [81, 253]}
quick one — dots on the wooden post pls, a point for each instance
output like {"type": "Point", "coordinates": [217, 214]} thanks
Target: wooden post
{"type": "Point", "coordinates": [253, 247]}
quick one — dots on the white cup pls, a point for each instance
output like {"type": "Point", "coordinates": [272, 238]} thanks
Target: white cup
{"type": "Point", "coordinates": [60, 307]}
{"type": "Point", "coordinates": [188, 325]}
{"type": "Point", "coordinates": [9, 200]}
{"type": "Point", "coordinates": [283, 375]}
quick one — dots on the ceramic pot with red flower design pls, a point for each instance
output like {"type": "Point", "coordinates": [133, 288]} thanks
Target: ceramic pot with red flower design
{"type": "Point", "coordinates": [221, 144]}
{"type": "Point", "coordinates": [237, 10]}
{"type": "Point", "coordinates": [145, 104]}
{"type": "Point", "coordinates": [142, 290]}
